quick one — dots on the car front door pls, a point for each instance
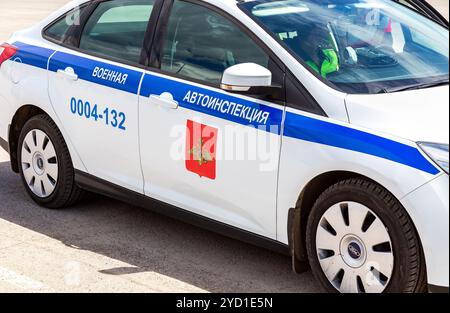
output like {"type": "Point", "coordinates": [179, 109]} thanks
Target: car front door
{"type": "Point", "coordinates": [208, 151]}
{"type": "Point", "coordinates": [94, 90]}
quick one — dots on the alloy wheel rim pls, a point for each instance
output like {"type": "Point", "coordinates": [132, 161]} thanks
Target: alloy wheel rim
{"type": "Point", "coordinates": [354, 249]}
{"type": "Point", "coordinates": [39, 163]}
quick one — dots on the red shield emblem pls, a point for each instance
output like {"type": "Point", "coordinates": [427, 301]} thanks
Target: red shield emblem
{"type": "Point", "coordinates": [201, 143]}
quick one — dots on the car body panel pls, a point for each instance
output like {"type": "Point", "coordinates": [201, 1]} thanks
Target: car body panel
{"type": "Point", "coordinates": [312, 160]}
{"type": "Point", "coordinates": [423, 117]}
{"type": "Point", "coordinates": [102, 149]}
{"type": "Point", "coordinates": [232, 194]}
{"type": "Point", "coordinates": [25, 81]}
{"type": "Point", "coordinates": [433, 228]}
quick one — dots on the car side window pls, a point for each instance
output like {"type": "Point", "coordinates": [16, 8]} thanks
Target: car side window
{"type": "Point", "coordinates": [58, 30]}
{"type": "Point", "coordinates": [200, 44]}
{"type": "Point", "coordinates": [117, 29]}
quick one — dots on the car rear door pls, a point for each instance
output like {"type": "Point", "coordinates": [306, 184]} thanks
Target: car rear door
{"type": "Point", "coordinates": [93, 88]}
{"type": "Point", "coordinates": [211, 152]}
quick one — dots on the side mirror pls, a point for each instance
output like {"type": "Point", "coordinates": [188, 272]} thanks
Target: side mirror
{"type": "Point", "coordinates": [249, 79]}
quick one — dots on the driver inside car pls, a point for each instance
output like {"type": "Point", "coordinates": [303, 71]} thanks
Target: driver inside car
{"type": "Point", "coordinates": [321, 51]}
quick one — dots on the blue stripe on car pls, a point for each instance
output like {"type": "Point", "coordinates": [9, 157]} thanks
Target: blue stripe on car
{"type": "Point", "coordinates": [84, 69]}
{"type": "Point", "coordinates": [157, 85]}
{"type": "Point", "coordinates": [321, 132]}
{"type": "Point", "coordinates": [32, 55]}
{"type": "Point", "coordinates": [295, 126]}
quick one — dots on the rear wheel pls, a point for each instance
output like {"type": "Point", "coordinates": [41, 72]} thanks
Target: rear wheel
{"type": "Point", "coordinates": [361, 240]}
{"type": "Point", "coordinates": [45, 164]}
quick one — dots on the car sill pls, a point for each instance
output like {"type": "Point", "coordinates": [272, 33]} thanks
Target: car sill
{"type": "Point", "coordinates": [97, 185]}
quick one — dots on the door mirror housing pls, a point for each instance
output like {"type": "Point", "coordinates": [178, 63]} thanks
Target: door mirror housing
{"type": "Point", "coordinates": [244, 76]}
{"type": "Point", "coordinates": [249, 79]}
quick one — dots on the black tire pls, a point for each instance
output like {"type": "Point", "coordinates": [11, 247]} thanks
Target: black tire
{"type": "Point", "coordinates": [66, 192]}
{"type": "Point", "coordinates": [409, 274]}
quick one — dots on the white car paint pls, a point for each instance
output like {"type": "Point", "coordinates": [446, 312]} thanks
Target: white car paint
{"type": "Point", "coordinates": [422, 117]}
{"type": "Point", "coordinates": [99, 161]}
{"type": "Point", "coordinates": [243, 196]}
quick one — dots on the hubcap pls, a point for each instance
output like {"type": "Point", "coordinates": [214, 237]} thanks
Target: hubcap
{"type": "Point", "coordinates": [354, 249]}
{"type": "Point", "coordinates": [39, 163]}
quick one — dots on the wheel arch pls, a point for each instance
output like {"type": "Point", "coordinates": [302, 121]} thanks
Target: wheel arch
{"type": "Point", "coordinates": [298, 216]}
{"type": "Point", "coordinates": [21, 116]}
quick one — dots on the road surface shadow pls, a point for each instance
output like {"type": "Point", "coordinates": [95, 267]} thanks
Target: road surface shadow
{"type": "Point", "coordinates": [152, 242]}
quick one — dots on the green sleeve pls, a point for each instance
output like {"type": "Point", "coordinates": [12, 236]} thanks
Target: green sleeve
{"type": "Point", "coordinates": [331, 63]}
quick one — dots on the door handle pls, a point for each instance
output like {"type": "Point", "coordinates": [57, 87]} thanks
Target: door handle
{"type": "Point", "coordinates": [165, 100]}
{"type": "Point", "coordinates": [68, 73]}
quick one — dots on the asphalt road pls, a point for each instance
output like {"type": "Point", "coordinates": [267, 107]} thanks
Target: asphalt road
{"type": "Point", "coordinates": [106, 246]}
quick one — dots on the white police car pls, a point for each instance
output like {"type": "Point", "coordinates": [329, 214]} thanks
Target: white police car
{"type": "Point", "coordinates": [319, 128]}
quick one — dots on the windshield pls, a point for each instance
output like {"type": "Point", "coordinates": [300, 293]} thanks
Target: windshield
{"type": "Point", "coordinates": [359, 46]}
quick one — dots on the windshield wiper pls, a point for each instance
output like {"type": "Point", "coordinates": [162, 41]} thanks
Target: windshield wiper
{"type": "Point", "coordinates": [437, 83]}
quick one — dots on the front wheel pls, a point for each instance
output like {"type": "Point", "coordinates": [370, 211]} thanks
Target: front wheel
{"type": "Point", "coordinates": [45, 164]}
{"type": "Point", "coordinates": [361, 240]}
